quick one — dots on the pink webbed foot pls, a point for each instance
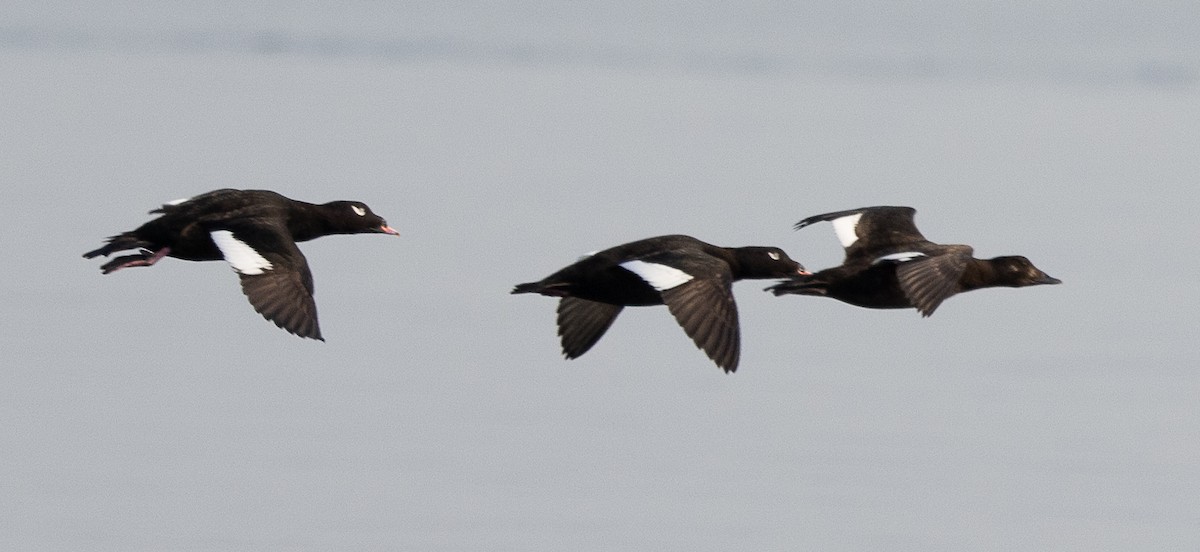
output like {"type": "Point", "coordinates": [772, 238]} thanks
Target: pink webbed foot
{"type": "Point", "coordinates": [144, 258]}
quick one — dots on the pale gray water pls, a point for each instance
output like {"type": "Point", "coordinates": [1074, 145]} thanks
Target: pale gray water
{"type": "Point", "coordinates": [152, 409]}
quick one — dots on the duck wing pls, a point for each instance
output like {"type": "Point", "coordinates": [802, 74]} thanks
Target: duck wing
{"type": "Point", "coordinates": [698, 290]}
{"type": "Point", "coordinates": [870, 232]}
{"type": "Point", "coordinates": [708, 314]}
{"type": "Point", "coordinates": [927, 281]}
{"type": "Point", "coordinates": [274, 273]}
{"type": "Point", "coordinates": [581, 323]}
{"type": "Point", "coordinates": [198, 204]}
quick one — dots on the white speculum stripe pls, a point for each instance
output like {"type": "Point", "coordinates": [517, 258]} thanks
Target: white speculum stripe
{"type": "Point", "coordinates": [898, 257]}
{"type": "Point", "coordinates": [844, 227]}
{"type": "Point", "coordinates": [660, 277]}
{"type": "Point", "coordinates": [243, 258]}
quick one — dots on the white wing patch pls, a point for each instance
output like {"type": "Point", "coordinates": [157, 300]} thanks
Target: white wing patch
{"type": "Point", "coordinates": [243, 258]}
{"type": "Point", "coordinates": [844, 227]}
{"type": "Point", "coordinates": [898, 257]}
{"type": "Point", "coordinates": [660, 277]}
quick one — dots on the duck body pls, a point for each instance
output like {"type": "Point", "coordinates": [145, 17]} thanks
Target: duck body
{"type": "Point", "coordinates": [890, 265]}
{"type": "Point", "coordinates": [693, 278]}
{"type": "Point", "coordinates": [256, 232]}
{"type": "Point", "coordinates": [873, 287]}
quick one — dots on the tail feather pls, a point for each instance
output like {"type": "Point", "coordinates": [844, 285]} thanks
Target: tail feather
{"type": "Point", "coordinates": [531, 287]}
{"type": "Point", "coordinates": [559, 289]}
{"type": "Point", "coordinates": [120, 242]}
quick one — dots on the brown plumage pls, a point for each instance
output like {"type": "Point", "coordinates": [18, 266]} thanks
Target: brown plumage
{"type": "Point", "coordinates": [889, 264]}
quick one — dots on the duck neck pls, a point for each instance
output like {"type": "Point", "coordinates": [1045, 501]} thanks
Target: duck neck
{"type": "Point", "coordinates": [308, 221]}
{"type": "Point", "coordinates": [979, 273]}
{"type": "Point", "coordinates": [730, 256]}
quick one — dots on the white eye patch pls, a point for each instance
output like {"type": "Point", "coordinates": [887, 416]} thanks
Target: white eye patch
{"type": "Point", "coordinates": [243, 258]}
{"type": "Point", "coordinates": [773, 255]}
{"type": "Point", "coordinates": [359, 210]}
{"type": "Point", "coordinates": [898, 257]}
{"type": "Point", "coordinates": [844, 227]}
{"type": "Point", "coordinates": [660, 277]}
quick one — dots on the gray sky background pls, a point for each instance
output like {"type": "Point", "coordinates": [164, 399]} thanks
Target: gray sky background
{"type": "Point", "coordinates": [152, 409]}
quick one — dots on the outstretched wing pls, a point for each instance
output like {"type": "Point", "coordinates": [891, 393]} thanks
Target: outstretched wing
{"type": "Point", "coordinates": [698, 290]}
{"type": "Point", "coordinates": [581, 323]}
{"type": "Point", "coordinates": [928, 281]}
{"type": "Point", "coordinates": [708, 314]}
{"type": "Point", "coordinates": [274, 273]}
{"type": "Point", "coordinates": [870, 232]}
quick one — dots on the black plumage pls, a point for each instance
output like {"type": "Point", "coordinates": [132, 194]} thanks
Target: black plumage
{"type": "Point", "coordinates": [256, 232]}
{"type": "Point", "coordinates": [693, 278]}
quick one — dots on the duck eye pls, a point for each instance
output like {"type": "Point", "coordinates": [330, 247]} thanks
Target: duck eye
{"type": "Point", "coordinates": [774, 255]}
{"type": "Point", "coordinates": [359, 210]}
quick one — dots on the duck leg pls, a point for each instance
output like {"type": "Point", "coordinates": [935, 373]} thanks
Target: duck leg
{"type": "Point", "coordinates": [804, 285]}
{"type": "Point", "coordinates": [144, 258]}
